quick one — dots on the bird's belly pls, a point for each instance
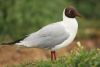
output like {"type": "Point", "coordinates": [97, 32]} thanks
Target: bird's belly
{"type": "Point", "coordinates": [52, 42]}
{"type": "Point", "coordinates": [65, 42]}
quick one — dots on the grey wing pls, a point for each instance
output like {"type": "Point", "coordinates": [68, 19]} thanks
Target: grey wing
{"type": "Point", "coordinates": [49, 36]}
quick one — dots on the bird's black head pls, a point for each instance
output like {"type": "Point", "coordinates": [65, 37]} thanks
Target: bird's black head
{"type": "Point", "coordinates": [71, 12]}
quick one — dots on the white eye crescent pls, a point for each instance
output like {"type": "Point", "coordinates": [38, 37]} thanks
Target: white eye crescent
{"type": "Point", "coordinates": [69, 11]}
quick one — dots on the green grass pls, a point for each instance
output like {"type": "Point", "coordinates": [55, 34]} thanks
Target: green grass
{"type": "Point", "coordinates": [92, 26]}
{"type": "Point", "coordinates": [77, 58]}
{"type": "Point", "coordinates": [22, 17]}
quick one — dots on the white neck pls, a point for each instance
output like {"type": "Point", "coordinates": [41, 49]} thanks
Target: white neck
{"type": "Point", "coordinates": [69, 23]}
{"type": "Point", "coordinates": [68, 19]}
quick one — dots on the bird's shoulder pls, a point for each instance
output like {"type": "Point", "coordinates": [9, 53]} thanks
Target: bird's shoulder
{"type": "Point", "coordinates": [52, 30]}
{"type": "Point", "coordinates": [51, 26]}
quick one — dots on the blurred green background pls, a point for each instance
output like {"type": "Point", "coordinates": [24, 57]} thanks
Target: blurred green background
{"type": "Point", "coordinates": [21, 17]}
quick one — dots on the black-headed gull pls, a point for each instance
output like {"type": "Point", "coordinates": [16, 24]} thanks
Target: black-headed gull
{"type": "Point", "coordinates": [55, 35]}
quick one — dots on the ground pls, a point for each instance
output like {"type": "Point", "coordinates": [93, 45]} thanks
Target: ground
{"type": "Point", "coordinates": [10, 54]}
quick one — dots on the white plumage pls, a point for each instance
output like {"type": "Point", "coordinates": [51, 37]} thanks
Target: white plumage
{"type": "Point", "coordinates": [53, 36]}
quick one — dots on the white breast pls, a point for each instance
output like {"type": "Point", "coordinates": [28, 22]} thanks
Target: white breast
{"type": "Point", "coordinates": [71, 26]}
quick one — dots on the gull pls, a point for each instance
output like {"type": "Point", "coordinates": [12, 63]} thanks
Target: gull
{"type": "Point", "coordinates": [54, 36]}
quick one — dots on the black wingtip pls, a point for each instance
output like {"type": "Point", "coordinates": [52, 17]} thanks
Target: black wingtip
{"type": "Point", "coordinates": [10, 43]}
{"type": "Point", "coordinates": [14, 42]}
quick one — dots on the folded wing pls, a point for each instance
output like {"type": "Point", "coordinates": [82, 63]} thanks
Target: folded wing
{"type": "Point", "coordinates": [47, 37]}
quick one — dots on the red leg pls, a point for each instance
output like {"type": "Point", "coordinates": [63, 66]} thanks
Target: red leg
{"type": "Point", "coordinates": [53, 55]}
